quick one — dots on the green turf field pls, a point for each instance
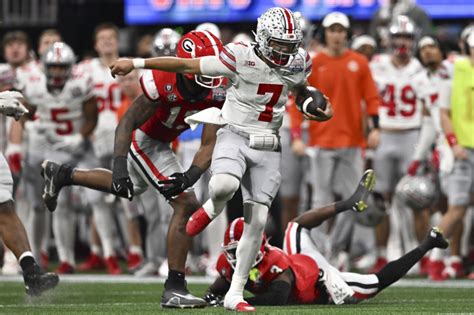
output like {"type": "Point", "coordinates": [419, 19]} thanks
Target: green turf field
{"type": "Point", "coordinates": [127, 298]}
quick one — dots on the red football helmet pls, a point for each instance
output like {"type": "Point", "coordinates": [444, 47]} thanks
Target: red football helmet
{"type": "Point", "coordinates": [197, 44]}
{"type": "Point", "coordinates": [231, 240]}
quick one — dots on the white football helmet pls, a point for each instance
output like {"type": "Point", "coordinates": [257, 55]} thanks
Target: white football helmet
{"type": "Point", "coordinates": [278, 26]}
{"type": "Point", "coordinates": [417, 192]}
{"type": "Point", "coordinates": [402, 25]}
{"type": "Point", "coordinates": [57, 62]}
{"type": "Point", "coordinates": [402, 36]}
{"type": "Point", "coordinates": [165, 43]}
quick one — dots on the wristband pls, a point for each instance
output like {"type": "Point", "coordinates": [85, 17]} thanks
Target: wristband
{"type": "Point", "coordinates": [138, 63]}
{"type": "Point", "coordinates": [375, 121]}
{"type": "Point", "coordinates": [451, 137]}
{"type": "Point", "coordinates": [295, 133]}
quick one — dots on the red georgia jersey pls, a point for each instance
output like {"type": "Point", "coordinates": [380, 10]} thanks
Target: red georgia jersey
{"type": "Point", "coordinates": [274, 262]}
{"type": "Point", "coordinates": [168, 121]}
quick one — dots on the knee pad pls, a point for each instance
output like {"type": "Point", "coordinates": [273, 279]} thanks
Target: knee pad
{"type": "Point", "coordinates": [223, 186]}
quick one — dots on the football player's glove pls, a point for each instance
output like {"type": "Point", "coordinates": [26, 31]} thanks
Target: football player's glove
{"type": "Point", "coordinates": [213, 300]}
{"type": "Point", "coordinates": [122, 185]}
{"type": "Point", "coordinates": [179, 182]}
{"type": "Point", "coordinates": [10, 105]}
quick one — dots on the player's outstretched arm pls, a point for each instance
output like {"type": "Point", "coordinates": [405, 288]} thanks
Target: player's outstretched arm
{"type": "Point", "coordinates": [179, 182]}
{"type": "Point", "coordinates": [139, 112]}
{"type": "Point", "coordinates": [123, 66]}
{"type": "Point", "coordinates": [215, 293]}
{"type": "Point", "coordinates": [90, 113]}
{"type": "Point", "coordinates": [278, 291]}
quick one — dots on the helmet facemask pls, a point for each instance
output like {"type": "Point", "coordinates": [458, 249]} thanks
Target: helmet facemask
{"type": "Point", "coordinates": [57, 74]}
{"type": "Point", "coordinates": [278, 36]}
{"type": "Point", "coordinates": [230, 251]}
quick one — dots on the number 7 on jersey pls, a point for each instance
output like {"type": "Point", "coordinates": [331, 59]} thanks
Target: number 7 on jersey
{"type": "Point", "coordinates": [275, 90]}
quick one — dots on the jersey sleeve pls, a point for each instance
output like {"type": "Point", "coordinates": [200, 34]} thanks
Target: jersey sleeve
{"type": "Point", "coordinates": [370, 91]}
{"type": "Point", "coordinates": [308, 65]}
{"type": "Point", "coordinates": [224, 65]}
{"type": "Point", "coordinates": [444, 99]}
{"type": "Point", "coordinates": [149, 85]}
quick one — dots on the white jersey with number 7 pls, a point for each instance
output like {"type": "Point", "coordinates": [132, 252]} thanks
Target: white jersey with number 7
{"type": "Point", "coordinates": [255, 101]}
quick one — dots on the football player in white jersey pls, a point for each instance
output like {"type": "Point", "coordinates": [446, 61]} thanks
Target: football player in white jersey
{"type": "Point", "coordinates": [109, 98]}
{"type": "Point", "coordinates": [247, 149]}
{"type": "Point", "coordinates": [400, 118]}
{"type": "Point", "coordinates": [12, 231]}
{"type": "Point", "coordinates": [61, 98]}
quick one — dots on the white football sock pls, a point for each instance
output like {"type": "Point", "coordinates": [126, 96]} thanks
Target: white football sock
{"type": "Point", "coordinates": [64, 228]}
{"type": "Point", "coordinates": [104, 221]}
{"type": "Point", "coordinates": [247, 250]}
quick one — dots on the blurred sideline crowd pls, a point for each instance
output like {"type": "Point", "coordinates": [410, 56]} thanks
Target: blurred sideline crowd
{"type": "Point", "coordinates": [421, 148]}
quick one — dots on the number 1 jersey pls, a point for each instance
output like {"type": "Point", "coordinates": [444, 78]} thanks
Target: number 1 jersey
{"type": "Point", "coordinates": [175, 103]}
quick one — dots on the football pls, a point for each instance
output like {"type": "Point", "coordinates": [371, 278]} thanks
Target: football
{"type": "Point", "coordinates": [309, 100]}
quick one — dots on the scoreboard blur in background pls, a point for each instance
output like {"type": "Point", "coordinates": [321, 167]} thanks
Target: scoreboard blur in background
{"type": "Point", "coordinates": [195, 11]}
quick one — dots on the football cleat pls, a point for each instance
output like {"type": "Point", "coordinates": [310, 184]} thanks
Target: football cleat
{"type": "Point", "coordinates": [134, 261]}
{"type": "Point", "coordinates": [379, 264]}
{"type": "Point", "coordinates": [65, 268]}
{"type": "Point", "coordinates": [365, 186]}
{"type": "Point", "coordinates": [54, 180]}
{"type": "Point", "coordinates": [436, 238]}
{"type": "Point", "coordinates": [454, 268]}
{"type": "Point", "coordinates": [181, 298]}
{"type": "Point", "coordinates": [244, 307]}
{"type": "Point", "coordinates": [435, 270]}
{"type": "Point", "coordinates": [112, 265]}
{"type": "Point", "coordinates": [197, 222]}
{"type": "Point", "coordinates": [93, 262]}
{"type": "Point", "coordinates": [37, 282]}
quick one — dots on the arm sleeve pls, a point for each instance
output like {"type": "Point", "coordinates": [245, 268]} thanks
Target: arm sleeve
{"type": "Point", "coordinates": [148, 84]}
{"type": "Point", "coordinates": [215, 66]}
{"type": "Point", "coordinates": [277, 293]}
{"type": "Point", "coordinates": [444, 99]}
{"type": "Point", "coordinates": [370, 92]}
{"type": "Point", "coordinates": [426, 139]}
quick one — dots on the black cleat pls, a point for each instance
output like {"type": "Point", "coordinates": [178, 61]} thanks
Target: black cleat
{"type": "Point", "coordinates": [436, 238]}
{"type": "Point", "coordinates": [54, 179]}
{"type": "Point", "coordinates": [37, 282]}
{"type": "Point", "coordinates": [365, 186]}
{"type": "Point", "coordinates": [181, 298]}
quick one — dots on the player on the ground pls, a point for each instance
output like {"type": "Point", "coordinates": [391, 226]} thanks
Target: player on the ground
{"type": "Point", "coordinates": [60, 96]}
{"type": "Point", "coordinates": [144, 134]}
{"type": "Point", "coordinates": [12, 231]}
{"type": "Point", "coordinates": [399, 120]}
{"type": "Point", "coordinates": [300, 274]}
{"type": "Point", "coordinates": [247, 149]}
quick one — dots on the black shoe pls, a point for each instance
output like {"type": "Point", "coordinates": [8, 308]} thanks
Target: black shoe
{"type": "Point", "coordinates": [365, 186]}
{"type": "Point", "coordinates": [54, 179]}
{"type": "Point", "coordinates": [436, 238]}
{"type": "Point", "coordinates": [180, 298]}
{"type": "Point", "coordinates": [37, 282]}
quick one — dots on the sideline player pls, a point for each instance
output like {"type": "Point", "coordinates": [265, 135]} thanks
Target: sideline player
{"type": "Point", "coordinates": [300, 274]}
{"type": "Point", "coordinates": [247, 149]}
{"type": "Point", "coordinates": [12, 231]}
{"type": "Point", "coordinates": [144, 134]}
{"type": "Point", "coordinates": [400, 121]}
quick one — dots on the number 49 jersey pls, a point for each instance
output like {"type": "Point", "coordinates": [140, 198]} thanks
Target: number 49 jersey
{"type": "Point", "coordinates": [256, 99]}
{"type": "Point", "coordinates": [175, 103]}
{"type": "Point", "coordinates": [399, 108]}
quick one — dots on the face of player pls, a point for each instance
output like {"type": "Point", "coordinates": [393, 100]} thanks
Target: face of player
{"type": "Point", "coordinates": [282, 51]}
{"type": "Point", "coordinates": [57, 75]}
{"type": "Point", "coordinates": [129, 84]}
{"type": "Point", "coordinates": [336, 37]}
{"type": "Point", "coordinates": [46, 41]}
{"type": "Point", "coordinates": [402, 46]}
{"type": "Point", "coordinates": [431, 55]}
{"type": "Point", "coordinates": [106, 42]}
{"type": "Point", "coordinates": [16, 53]}
{"type": "Point", "coordinates": [367, 50]}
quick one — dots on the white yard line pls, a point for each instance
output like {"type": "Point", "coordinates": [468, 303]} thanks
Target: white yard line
{"type": "Point", "coordinates": [408, 283]}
